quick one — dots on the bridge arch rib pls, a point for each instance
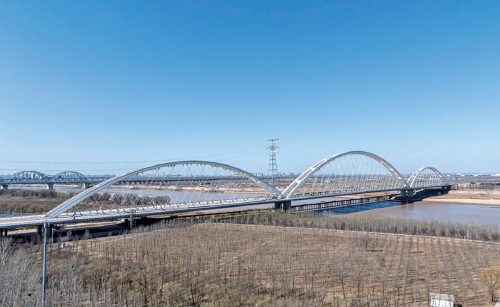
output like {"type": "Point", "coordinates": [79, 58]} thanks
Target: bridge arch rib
{"type": "Point", "coordinates": [357, 171]}
{"type": "Point", "coordinates": [197, 175]}
{"type": "Point", "coordinates": [69, 175]}
{"type": "Point", "coordinates": [426, 177]}
{"type": "Point", "coordinates": [27, 176]}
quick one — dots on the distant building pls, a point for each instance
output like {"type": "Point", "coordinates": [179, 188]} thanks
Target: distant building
{"type": "Point", "coordinates": [441, 300]}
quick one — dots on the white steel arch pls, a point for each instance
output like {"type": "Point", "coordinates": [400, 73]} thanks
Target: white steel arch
{"type": "Point", "coordinates": [413, 178]}
{"type": "Point", "coordinates": [68, 204]}
{"type": "Point", "coordinates": [290, 191]}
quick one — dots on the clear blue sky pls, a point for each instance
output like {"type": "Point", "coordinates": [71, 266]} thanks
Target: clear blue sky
{"type": "Point", "coordinates": [89, 83]}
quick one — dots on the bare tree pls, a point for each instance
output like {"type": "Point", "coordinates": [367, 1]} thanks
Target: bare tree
{"type": "Point", "coordinates": [490, 277]}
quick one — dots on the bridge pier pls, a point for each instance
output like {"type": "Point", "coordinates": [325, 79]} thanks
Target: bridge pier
{"type": "Point", "coordinates": [445, 190]}
{"type": "Point", "coordinates": [86, 185]}
{"type": "Point", "coordinates": [407, 193]}
{"type": "Point", "coordinates": [3, 232]}
{"type": "Point", "coordinates": [5, 186]}
{"type": "Point", "coordinates": [284, 206]}
{"type": "Point", "coordinates": [41, 231]}
{"type": "Point", "coordinates": [131, 220]}
{"type": "Point", "coordinates": [50, 186]}
{"type": "Point", "coordinates": [411, 193]}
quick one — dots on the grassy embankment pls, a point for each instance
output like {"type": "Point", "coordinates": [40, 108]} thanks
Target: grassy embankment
{"type": "Point", "coordinates": [30, 201]}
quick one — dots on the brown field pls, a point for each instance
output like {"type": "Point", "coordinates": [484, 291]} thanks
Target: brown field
{"type": "Point", "coordinates": [22, 206]}
{"type": "Point", "coordinates": [225, 264]}
{"type": "Point", "coordinates": [29, 201]}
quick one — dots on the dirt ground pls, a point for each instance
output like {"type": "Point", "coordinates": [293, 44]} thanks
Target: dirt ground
{"type": "Point", "coordinates": [334, 265]}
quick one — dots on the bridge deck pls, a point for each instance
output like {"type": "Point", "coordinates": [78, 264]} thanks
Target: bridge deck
{"type": "Point", "coordinates": [119, 213]}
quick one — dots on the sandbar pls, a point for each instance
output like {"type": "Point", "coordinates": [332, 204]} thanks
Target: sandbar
{"type": "Point", "coordinates": [465, 201]}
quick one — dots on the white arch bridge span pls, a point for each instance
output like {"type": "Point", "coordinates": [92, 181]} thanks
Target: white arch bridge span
{"type": "Point", "coordinates": [187, 186]}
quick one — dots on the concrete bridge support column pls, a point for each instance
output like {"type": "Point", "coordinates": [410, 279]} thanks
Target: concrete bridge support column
{"type": "Point", "coordinates": [5, 186]}
{"type": "Point", "coordinates": [3, 232]}
{"type": "Point", "coordinates": [284, 206]}
{"type": "Point", "coordinates": [86, 185]}
{"type": "Point", "coordinates": [41, 231]}
{"type": "Point", "coordinates": [444, 190]}
{"type": "Point", "coordinates": [407, 193]}
{"type": "Point", "coordinates": [50, 186]}
{"type": "Point", "coordinates": [411, 193]}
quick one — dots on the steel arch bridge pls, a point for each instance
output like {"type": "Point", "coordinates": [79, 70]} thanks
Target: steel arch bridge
{"type": "Point", "coordinates": [348, 172]}
{"type": "Point", "coordinates": [69, 177]}
{"type": "Point", "coordinates": [201, 187]}
{"type": "Point", "coordinates": [194, 185]}
{"type": "Point", "coordinates": [426, 177]}
{"type": "Point", "coordinates": [35, 177]}
{"type": "Point", "coordinates": [28, 177]}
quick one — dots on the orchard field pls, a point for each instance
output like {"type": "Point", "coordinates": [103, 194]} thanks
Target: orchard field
{"type": "Point", "coordinates": [241, 263]}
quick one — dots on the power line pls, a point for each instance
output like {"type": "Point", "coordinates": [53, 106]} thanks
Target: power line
{"type": "Point", "coordinates": [64, 170]}
{"type": "Point", "coordinates": [112, 162]}
{"type": "Point", "coordinates": [126, 162]}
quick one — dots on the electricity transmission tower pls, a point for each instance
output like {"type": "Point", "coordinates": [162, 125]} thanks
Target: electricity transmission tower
{"type": "Point", "coordinates": [273, 167]}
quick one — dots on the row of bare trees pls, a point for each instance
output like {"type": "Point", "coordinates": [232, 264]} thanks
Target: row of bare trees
{"type": "Point", "coordinates": [239, 263]}
{"type": "Point", "coordinates": [28, 201]}
{"type": "Point", "coordinates": [16, 208]}
{"type": "Point", "coordinates": [20, 280]}
{"type": "Point", "coordinates": [38, 201]}
{"type": "Point", "coordinates": [377, 224]}
{"type": "Point", "coordinates": [129, 199]}
{"type": "Point", "coordinates": [28, 193]}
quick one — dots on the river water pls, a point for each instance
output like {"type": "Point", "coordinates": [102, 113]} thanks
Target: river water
{"type": "Point", "coordinates": [457, 213]}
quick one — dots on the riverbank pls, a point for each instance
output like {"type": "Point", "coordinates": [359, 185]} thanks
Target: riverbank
{"type": "Point", "coordinates": [465, 201]}
{"type": "Point", "coordinates": [470, 197]}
